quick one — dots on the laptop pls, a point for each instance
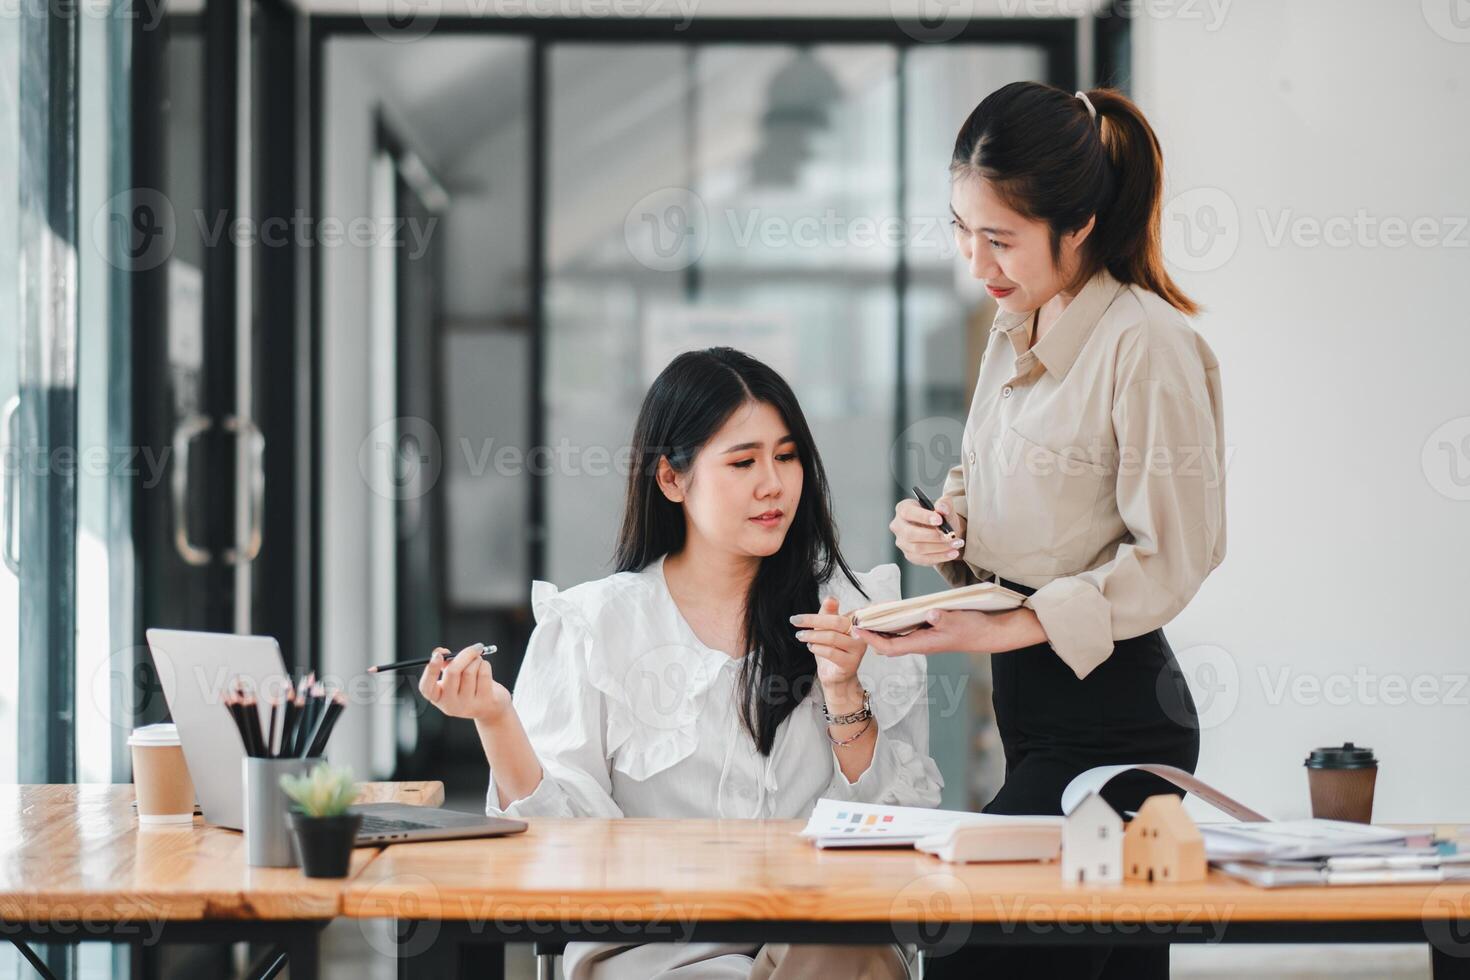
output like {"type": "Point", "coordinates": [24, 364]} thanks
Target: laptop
{"type": "Point", "coordinates": [195, 669]}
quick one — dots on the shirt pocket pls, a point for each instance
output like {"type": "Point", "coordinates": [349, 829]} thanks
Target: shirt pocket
{"type": "Point", "coordinates": [1042, 504]}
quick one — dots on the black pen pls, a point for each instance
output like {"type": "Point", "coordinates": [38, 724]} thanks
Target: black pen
{"type": "Point", "coordinates": [421, 662]}
{"type": "Point", "coordinates": [928, 504]}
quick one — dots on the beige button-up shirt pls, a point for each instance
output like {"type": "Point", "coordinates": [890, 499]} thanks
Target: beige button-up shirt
{"type": "Point", "coordinates": [1093, 468]}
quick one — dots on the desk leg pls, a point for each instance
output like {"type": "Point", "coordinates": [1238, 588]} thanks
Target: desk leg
{"type": "Point", "coordinates": [426, 949]}
{"type": "Point", "coordinates": [423, 951]}
{"type": "Point", "coordinates": [1444, 966]}
{"type": "Point", "coordinates": [303, 952]}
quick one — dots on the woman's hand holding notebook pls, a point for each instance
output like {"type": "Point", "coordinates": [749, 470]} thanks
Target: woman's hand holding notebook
{"type": "Point", "coordinates": [905, 615]}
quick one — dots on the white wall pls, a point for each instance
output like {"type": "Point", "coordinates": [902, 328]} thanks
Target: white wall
{"type": "Point", "coordinates": [1347, 560]}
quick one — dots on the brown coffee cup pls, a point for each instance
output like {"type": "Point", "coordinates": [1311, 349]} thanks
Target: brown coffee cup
{"type": "Point", "coordinates": [1340, 779]}
{"type": "Point", "coordinates": [161, 776]}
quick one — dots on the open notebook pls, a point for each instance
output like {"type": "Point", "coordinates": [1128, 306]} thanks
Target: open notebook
{"type": "Point", "coordinates": [902, 615]}
{"type": "Point", "coordinates": [949, 834]}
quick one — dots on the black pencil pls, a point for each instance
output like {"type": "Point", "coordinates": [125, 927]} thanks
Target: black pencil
{"type": "Point", "coordinates": [239, 720]}
{"type": "Point", "coordinates": [324, 730]}
{"type": "Point", "coordinates": [288, 712]}
{"type": "Point", "coordinates": [422, 661]}
{"type": "Point", "coordinates": [252, 725]}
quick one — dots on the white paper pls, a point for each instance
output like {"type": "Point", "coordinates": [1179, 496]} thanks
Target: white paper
{"type": "Point", "coordinates": [837, 823]}
{"type": "Point", "coordinates": [1294, 839]}
{"type": "Point", "coordinates": [1093, 780]}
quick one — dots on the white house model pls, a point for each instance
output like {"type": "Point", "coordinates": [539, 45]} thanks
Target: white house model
{"type": "Point", "coordinates": [1092, 843]}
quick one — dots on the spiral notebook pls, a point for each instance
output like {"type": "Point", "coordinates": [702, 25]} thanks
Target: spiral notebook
{"type": "Point", "coordinates": [903, 615]}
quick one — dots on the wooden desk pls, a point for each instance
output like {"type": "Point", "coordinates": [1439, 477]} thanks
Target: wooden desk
{"type": "Point", "coordinates": [75, 865]}
{"type": "Point", "coordinates": [754, 881]}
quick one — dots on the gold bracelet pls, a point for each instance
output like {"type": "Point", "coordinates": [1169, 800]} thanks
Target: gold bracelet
{"type": "Point", "coordinates": [847, 741]}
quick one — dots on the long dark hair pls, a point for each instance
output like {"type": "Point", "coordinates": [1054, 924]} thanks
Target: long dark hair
{"type": "Point", "coordinates": [1050, 161]}
{"type": "Point", "coordinates": [689, 401]}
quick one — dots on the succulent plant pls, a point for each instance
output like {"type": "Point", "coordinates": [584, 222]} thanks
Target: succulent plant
{"type": "Point", "coordinates": [326, 791]}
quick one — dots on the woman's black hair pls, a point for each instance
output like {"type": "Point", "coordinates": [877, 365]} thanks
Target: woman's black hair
{"type": "Point", "coordinates": [688, 403]}
{"type": "Point", "coordinates": [1050, 160]}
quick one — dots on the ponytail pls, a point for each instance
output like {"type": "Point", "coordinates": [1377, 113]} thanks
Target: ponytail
{"type": "Point", "coordinates": [1050, 160]}
{"type": "Point", "coordinates": [1128, 238]}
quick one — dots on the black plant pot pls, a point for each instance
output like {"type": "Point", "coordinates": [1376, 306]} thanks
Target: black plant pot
{"type": "Point", "coordinates": [325, 843]}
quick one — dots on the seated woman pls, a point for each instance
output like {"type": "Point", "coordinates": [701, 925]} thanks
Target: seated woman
{"type": "Point", "coordinates": [698, 681]}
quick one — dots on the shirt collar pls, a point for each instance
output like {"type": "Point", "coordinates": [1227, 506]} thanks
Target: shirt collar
{"type": "Point", "coordinates": [1059, 348]}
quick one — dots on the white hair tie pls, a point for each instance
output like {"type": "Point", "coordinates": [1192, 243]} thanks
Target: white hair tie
{"type": "Point", "coordinates": [1091, 112]}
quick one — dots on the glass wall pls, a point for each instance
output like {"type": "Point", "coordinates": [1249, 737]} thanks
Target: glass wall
{"type": "Point", "coordinates": [65, 462]}
{"type": "Point", "coordinates": [790, 201]}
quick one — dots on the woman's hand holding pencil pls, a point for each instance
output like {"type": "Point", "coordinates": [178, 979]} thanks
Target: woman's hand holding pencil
{"type": "Point", "coordinates": [484, 648]}
{"type": "Point", "coordinates": [463, 686]}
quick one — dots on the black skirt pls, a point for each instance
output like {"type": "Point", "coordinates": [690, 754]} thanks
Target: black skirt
{"type": "Point", "coordinates": [1133, 707]}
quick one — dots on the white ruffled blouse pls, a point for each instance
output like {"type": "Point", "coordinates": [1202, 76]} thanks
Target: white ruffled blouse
{"type": "Point", "coordinates": [631, 715]}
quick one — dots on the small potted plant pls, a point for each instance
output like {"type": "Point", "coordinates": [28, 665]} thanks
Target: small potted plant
{"type": "Point", "coordinates": [325, 828]}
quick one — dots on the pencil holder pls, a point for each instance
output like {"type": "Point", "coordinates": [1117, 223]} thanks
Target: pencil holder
{"type": "Point", "coordinates": [268, 839]}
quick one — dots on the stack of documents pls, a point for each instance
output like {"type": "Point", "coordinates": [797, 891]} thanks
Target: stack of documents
{"type": "Point", "coordinates": [1393, 869]}
{"type": "Point", "coordinates": [1328, 852]}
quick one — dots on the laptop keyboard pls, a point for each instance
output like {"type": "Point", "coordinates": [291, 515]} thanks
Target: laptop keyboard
{"type": "Point", "coordinates": [381, 825]}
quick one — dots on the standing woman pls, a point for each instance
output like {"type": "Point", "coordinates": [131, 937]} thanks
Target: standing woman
{"type": "Point", "coordinates": [1092, 469]}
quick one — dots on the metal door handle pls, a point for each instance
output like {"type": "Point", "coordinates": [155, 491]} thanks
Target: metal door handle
{"type": "Point", "coordinates": [8, 417]}
{"type": "Point", "coordinates": [247, 428]}
{"type": "Point", "coordinates": [184, 436]}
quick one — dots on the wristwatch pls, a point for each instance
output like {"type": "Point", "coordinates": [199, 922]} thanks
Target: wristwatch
{"type": "Point", "coordinates": [861, 714]}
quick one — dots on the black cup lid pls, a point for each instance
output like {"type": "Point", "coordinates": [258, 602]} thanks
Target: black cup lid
{"type": "Point", "coordinates": [1344, 756]}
